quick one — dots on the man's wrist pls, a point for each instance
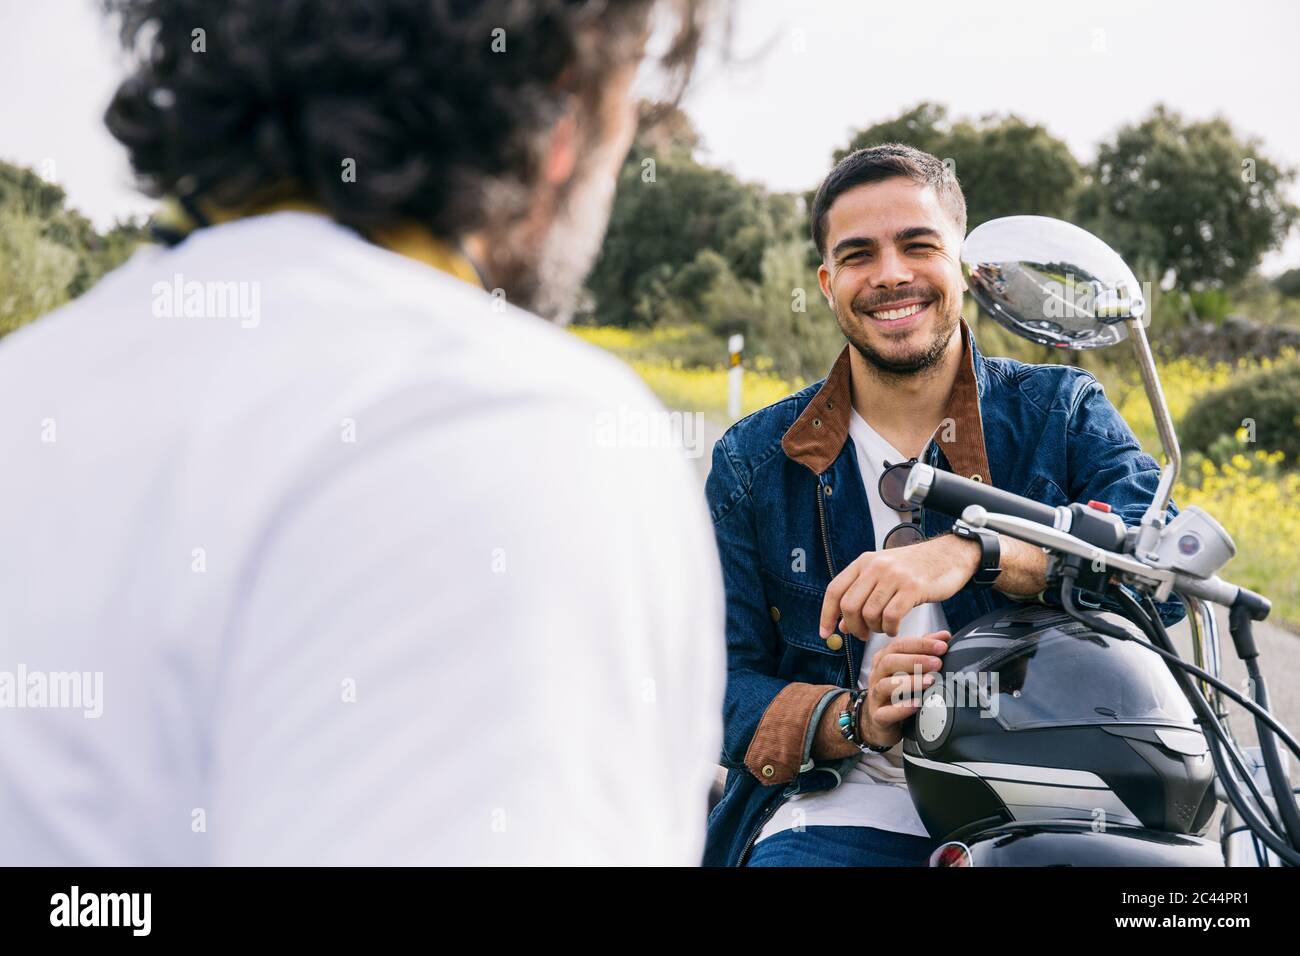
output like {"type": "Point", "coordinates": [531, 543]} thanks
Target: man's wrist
{"type": "Point", "coordinates": [971, 549]}
{"type": "Point", "coordinates": [986, 546]}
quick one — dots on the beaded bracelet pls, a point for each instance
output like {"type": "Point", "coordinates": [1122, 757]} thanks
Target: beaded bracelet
{"type": "Point", "coordinates": [848, 722]}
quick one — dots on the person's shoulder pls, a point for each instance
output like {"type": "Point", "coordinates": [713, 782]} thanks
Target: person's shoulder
{"type": "Point", "coordinates": [347, 300]}
{"type": "Point", "coordinates": [1048, 386]}
{"type": "Point", "coordinates": [755, 440]}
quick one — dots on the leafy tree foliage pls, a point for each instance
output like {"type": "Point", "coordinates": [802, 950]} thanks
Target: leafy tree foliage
{"type": "Point", "coordinates": [1194, 202]}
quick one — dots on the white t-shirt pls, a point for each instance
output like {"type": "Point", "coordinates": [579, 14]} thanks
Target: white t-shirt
{"type": "Point", "coordinates": [368, 568]}
{"type": "Point", "coordinates": [874, 793]}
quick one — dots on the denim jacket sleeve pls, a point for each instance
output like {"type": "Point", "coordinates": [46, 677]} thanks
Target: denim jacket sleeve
{"type": "Point", "coordinates": [766, 719]}
{"type": "Point", "coordinates": [1106, 463]}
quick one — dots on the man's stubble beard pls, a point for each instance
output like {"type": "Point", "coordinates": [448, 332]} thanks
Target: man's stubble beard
{"type": "Point", "coordinates": [927, 358]}
{"type": "Point", "coordinates": [545, 273]}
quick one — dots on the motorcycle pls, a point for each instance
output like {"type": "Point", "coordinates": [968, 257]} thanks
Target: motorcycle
{"type": "Point", "coordinates": [1089, 740]}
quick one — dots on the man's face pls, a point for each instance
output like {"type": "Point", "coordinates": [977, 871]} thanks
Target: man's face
{"type": "Point", "coordinates": [892, 273]}
{"type": "Point", "coordinates": [547, 262]}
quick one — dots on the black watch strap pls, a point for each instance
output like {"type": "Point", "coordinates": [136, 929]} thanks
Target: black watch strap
{"type": "Point", "coordinates": [990, 565]}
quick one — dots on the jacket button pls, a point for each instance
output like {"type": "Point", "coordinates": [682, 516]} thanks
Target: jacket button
{"type": "Point", "coordinates": [829, 491]}
{"type": "Point", "coordinates": [769, 770]}
{"type": "Point", "coordinates": [977, 477]}
{"type": "Point", "coordinates": [776, 614]}
{"type": "Point", "coordinates": [835, 642]}
{"type": "Point", "coordinates": [817, 423]}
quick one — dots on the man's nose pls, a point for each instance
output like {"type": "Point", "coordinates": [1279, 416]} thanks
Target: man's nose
{"type": "Point", "coordinates": [892, 270]}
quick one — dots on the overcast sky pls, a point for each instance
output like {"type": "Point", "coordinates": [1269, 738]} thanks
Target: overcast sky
{"type": "Point", "coordinates": [820, 70]}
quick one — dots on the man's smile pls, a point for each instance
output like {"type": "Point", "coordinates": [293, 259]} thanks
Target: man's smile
{"type": "Point", "coordinates": [899, 315]}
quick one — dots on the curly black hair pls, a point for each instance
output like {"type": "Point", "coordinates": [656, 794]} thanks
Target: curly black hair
{"type": "Point", "coordinates": [228, 99]}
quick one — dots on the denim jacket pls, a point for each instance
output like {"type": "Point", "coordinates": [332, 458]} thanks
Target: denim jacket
{"type": "Point", "coordinates": [790, 511]}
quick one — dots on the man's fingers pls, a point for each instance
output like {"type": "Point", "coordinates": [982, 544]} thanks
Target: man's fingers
{"type": "Point", "coordinates": [892, 664]}
{"type": "Point", "coordinates": [834, 594]}
{"type": "Point", "coordinates": [933, 643]}
{"type": "Point", "coordinates": [872, 610]}
{"type": "Point", "coordinates": [863, 592]}
{"type": "Point", "coordinates": [892, 614]}
{"type": "Point", "coordinates": [890, 714]}
{"type": "Point", "coordinates": [891, 688]}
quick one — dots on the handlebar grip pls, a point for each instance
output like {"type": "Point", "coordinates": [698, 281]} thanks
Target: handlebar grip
{"type": "Point", "coordinates": [1255, 606]}
{"type": "Point", "coordinates": [950, 494]}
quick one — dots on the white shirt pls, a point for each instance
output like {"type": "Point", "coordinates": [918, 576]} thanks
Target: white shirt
{"type": "Point", "coordinates": [874, 793]}
{"type": "Point", "coordinates": [363, 581]}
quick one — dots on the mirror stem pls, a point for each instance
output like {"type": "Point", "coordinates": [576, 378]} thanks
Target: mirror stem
{"type": "Point", "coordinates": [1154, 519]}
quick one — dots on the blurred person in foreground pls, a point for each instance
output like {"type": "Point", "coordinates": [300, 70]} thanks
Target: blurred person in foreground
{"type": "Point", "coordinates": [310, 551]}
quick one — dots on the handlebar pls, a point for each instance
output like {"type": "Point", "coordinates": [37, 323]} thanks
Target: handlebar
{"type": "Point", "coordinates": [950, 494]}
{"type": "Point", "coordinates": [1077, 530]}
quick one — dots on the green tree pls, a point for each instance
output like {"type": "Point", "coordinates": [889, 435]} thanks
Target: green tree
{"type": "Point", "coordinates": [1006, 166]}
{"type": "Point", "coordinates": [1288, 283]}
{"type": "Point", "coordinates": [1191, 202]}
{"type": "Point", "coordinates": [49, 252]}
{"type": "Point", "coordinates": [924, 126]}
{"type": "Point", "coordinates": [670, 209]}
{"type": "Point", "coordinates": [35, 271]}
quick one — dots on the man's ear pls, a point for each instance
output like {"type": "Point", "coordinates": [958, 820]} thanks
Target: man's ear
{"type": "Point", "coordinates": [824, 280]}
{"type": "Point", "coordinates": [561, 151]}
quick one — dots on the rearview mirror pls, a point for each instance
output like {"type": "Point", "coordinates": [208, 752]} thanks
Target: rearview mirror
{"type": "Point", "coordinates": [1051, 282]}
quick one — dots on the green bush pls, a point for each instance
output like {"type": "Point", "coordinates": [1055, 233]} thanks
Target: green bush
{"type": "Point", "coordinates": [35, 272]}
{"type": "Point", "coordinates": [1268, 400]}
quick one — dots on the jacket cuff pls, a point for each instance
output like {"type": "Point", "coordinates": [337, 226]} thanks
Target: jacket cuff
{"type": "Point", "coordinates": [782, 744]}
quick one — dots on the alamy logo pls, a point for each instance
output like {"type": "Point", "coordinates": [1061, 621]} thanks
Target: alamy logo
{"type": "Point", "coordinates": [627, 427]}
{"type": "Point", "coordinates": [102, 909]}
{"type": "Point", "coordinates": [974, 689]}
{"type": "Point", "coordinates": [191, 299]}
{"type": "Point", "coordinates": [22, 689]}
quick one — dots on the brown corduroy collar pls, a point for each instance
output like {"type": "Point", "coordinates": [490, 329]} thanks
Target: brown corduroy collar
{"type": "Point", "coordinates": [817, 436]}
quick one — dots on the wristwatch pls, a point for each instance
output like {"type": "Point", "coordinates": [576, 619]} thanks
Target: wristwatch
{"type": "Point", "coordinates": [990, 565]}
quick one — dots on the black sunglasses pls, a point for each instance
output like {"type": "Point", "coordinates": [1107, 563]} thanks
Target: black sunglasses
{"type": "Point", "coordinates": [892, 482]}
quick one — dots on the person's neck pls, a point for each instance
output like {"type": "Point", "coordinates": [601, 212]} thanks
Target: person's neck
{"type": "Point", "coordinates": [905, 409]}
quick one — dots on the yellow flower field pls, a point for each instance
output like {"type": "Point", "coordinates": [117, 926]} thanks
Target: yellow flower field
{"type": "Point", "coordinates": [1257, 503]}
{"type": "Point", "coordinates": [1251, 496]}
{"type": "Point", "coordinates": [689, 389]}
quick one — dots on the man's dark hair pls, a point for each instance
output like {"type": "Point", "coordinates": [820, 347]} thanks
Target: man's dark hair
{"type": "Point", "coordinates": [413, 91]}
{"type": "Point", "coordinates": [886, 161]}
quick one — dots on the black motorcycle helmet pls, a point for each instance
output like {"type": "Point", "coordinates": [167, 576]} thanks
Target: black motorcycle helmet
{"type": "Point", "coordinates": [1035, 716]}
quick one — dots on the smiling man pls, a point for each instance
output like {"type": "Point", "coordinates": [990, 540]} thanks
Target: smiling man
{"type": "Point", "coordinates": [840, 600]}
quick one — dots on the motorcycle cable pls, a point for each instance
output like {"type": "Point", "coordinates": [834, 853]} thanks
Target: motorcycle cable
{"type": "Point", "coordinates": [1217, 739]}
{"type": "Point", "coordinates": [1261, 828]}
{"type": "Point", "coordinates": [1277, 778]}
{"type": "Point", "coordinates": [1220, 741]}
{"type": "Point", "coordinates": [1266, 833]}
{"type": "Point", "coordinates": [1171, 657]}
{"type": "Point", "coordinates": [1214, 731]}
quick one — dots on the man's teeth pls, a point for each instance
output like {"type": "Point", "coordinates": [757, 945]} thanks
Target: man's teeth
{"type": "Point", "coordinates": [889, 315]}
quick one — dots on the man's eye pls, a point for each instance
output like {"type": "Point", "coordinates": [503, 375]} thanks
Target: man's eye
{"type": "Point", "coordinates": [854, 255]}
{"type": "Point", "coordinates": [919, 245]}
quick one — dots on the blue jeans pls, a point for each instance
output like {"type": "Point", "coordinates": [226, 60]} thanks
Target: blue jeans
{"type": "Point", "coordinates": [842, 846]}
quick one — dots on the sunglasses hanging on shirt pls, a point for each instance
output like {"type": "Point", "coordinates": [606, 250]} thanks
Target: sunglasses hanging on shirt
{"type": "Point", "coordinates": [892, 481]}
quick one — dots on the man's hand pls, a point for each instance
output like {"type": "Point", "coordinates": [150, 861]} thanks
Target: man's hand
{"type": "Point", "coordinates": [877, 590]}
{"type": "Point", "coordinates": [901, 668]}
